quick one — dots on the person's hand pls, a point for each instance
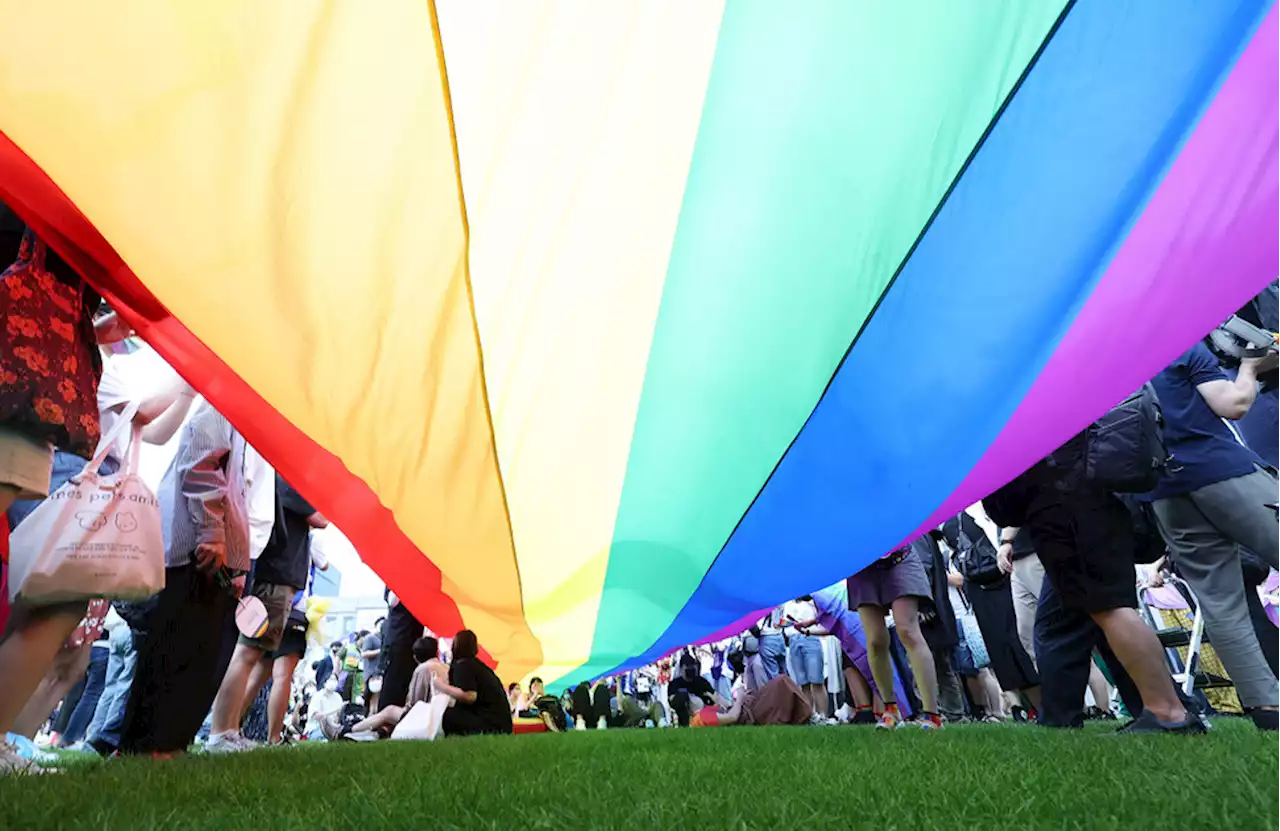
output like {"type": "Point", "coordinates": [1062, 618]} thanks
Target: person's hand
{"type": "Point", "coordinates": [1004, 557]}
{"type": "Point", "coordinates": [211, 556]}
{"type": "Point", "coordinates": [110, 328]}
{"type": "Point", "coordinates": [1267, 363]}
{"type": "Point", "coordinates": [955, 579]}
{"type": "Point", "coordinates": [238, 583]}
{"type": "Point", "coordinates": [1155, 579]}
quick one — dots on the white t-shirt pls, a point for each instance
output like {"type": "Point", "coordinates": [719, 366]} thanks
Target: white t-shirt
{"type": "Point", "coordinates": [769, 626]}
{"type": "Point", "coordinates": [323, 703]}
{"type": "Point", "coordinates": [801, 610]}
{"type": "Point", "coordinates": [260, 497]}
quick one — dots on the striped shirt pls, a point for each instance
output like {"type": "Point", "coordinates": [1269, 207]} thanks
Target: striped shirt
{"type": "Point", "coordinates": [203, 496]}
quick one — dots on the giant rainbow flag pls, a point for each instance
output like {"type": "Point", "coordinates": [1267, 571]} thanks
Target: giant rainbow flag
{"type": "Point", "coordinates": [597, 326]}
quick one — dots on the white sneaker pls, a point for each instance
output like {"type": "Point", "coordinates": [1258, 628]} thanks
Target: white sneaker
{"type": "Point", "coordinates": [579, 723]}
{"type": "Point", "coordinates": [12, 764]}
{"type": "Point", "coordinates": [228, 742]}
{"type": "Point", "coordinates": [602, 724]}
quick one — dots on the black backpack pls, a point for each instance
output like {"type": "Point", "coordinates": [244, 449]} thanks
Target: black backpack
{"type": "Point", "coordinates": [1124, 450]}
{"type": "Point", "coordinates": [979, 563]}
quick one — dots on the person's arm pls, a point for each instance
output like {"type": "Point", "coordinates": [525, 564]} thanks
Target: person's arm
{"type": "Point", "coordinates": [464, 676]}
{"type": "Point", "coordinates": [815, 630]}
{"type": "Point", "coordinates": [162, 413]}
{"type": "Point", "coordinates": [1228, 399]}
{"type": "Point", "coordinates": [204, 484]}
{"type": "Point", "coordinates": [456, 693]}
{"type": "Point", "coordinates": [1004, 554]}
{"type": "Point", "coordinates": [111, 328]}
{"type": "Point", "coordinates": [1232, 400]}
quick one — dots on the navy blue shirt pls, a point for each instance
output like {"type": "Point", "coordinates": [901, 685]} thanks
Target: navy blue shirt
{"type": "Point", "coordinates": [1203, 448]}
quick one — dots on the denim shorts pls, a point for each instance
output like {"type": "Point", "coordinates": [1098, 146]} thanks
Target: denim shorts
{"type": "Point", "coordinates": [807, 659]}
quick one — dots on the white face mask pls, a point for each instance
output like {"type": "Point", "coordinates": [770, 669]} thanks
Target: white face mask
{"type": "Point", "coordinates": [331, 685]}
{"type": "Point", "coordinates": [375, 685]}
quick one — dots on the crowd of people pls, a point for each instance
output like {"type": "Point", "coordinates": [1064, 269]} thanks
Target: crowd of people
{"type": "Point", "coordinates": [1012, 609]}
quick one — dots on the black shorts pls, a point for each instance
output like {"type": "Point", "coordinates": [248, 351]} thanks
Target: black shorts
{"type": "Point", "coordinates": [293, 641]}
{"type": "Point", "coordinates": [1085, 539]}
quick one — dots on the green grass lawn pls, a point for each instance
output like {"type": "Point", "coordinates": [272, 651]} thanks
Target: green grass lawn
{"type": "Point", "coordinates": [976, 776]}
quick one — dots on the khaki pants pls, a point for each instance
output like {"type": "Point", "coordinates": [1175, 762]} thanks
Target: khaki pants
{"type": "Point", "coordinates": [1028, 577]}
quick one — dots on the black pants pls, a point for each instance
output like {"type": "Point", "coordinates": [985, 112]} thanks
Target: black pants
{"type": "Point", "coordinates": [463, 721]}
{"type": "Point", "coordinates": [402, 630]}
{"type": "Point", "coordinates": [591, 706]}
{"type": "Point", "coordinates": [177, 673]}
{"type": "Point", "coordinates": [1065, 640]}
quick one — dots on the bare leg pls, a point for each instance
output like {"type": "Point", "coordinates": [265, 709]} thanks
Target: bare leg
{"type": "Point", "coordinates": [877, 635]}
{"type": "Point", "coordinates": [978, 692]}
{"type": "Point", "coordinates": [906, 618]}
{"type": "Point", "coordinates": [229, 704]}
{"type": "Point", "coordinates": [818, 698]}
{"type": "Point", "coordinates": [859, 689]}
{"type": "Point", "coordinates": [1100, 688]}
{"type": "Point", "coordinates": [278, 705]}
{"type": "Point", "coordinates": [991, 690]}
{"type": "Point", "coordinates": [38, 672]}
{"type": "Point", "coordinates": [1139, 650]}
{"type": "Point", "coordinates": [387, 717]}
{"type": "Point", "coordinates": [257, 679]}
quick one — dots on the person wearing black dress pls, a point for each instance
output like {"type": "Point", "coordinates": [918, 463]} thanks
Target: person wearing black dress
{"type": "Point", "coordinates": [990, 595]}
{"type": "Point", "coordinates": [482, 705]}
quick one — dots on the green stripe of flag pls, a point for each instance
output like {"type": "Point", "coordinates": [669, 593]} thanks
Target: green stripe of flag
{"type": "Point", "coordinates": [829, 133]}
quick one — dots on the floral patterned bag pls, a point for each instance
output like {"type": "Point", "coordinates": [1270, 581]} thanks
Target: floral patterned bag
{"type": "Point", "coordinates": [49, 361]}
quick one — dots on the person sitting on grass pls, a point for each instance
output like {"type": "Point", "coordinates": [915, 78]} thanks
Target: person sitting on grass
{"type": "Point", "coordinates": [325, 706]}
{"type": "Point", "coordinates": [537, 704]}
{"type": "Point", "coordinates": [689, 691]}
{"type": "Point", "coordinates": [421, 688]}
{"type": "Point", "coordinates": [780, 701]}
{"type": "Point", "coordinates": [481, 702]}
{"type": "Point", "coordinates": [591, 708]}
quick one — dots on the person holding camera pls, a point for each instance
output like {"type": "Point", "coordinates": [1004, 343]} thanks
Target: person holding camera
{"type": "Point", "coordinates": [1215, 496]}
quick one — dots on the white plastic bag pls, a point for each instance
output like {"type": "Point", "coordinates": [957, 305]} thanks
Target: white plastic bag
{"type": "Point", "coordinates": [96, 536]}
{"type": "Point", "coordinates": [424, 721]}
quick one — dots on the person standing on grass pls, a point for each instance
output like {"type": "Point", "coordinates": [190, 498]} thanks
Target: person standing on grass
{"type": "Point", "coordinates": [1216, 496]}
{"type": "Point", "coordinates": [1020, 561]}
{"type": "Point", "coordinates": [1085, 538]}
{"type": "Point", "coordinates": [371, 657]}
{"type": "Point", "coordinates": [773, 645]}
{"type": "Point", "coordinates": [204, 516]}
{"type": "Point", "coordinates": [403, 631]}
{"type": "Point", "coordinates": [807, 661]}
{"type": "Point", "coordinates": [281, 572]}
{"type": "Point", "coordinates": [987, 591]}
{"type": "Point", "coordinates": [832, 616]}
{"type": "Point", "coordinates": [896, 583]}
